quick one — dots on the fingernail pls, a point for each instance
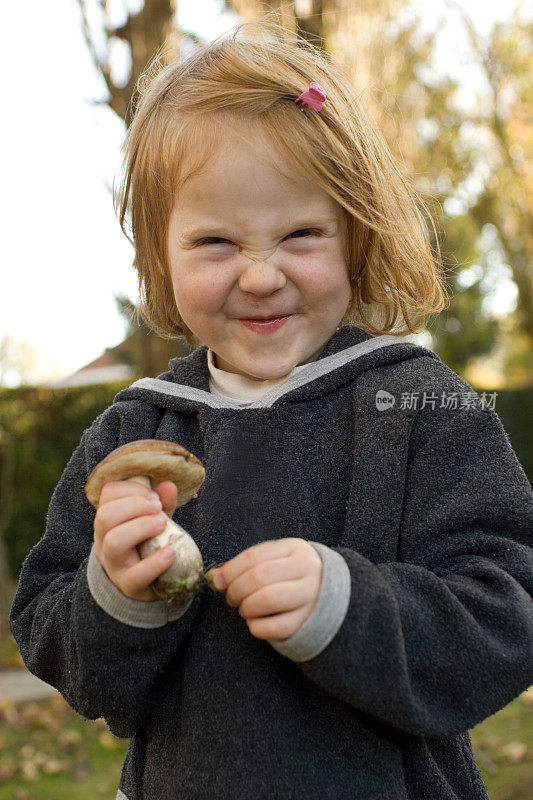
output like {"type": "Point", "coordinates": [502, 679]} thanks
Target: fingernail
{"type": "Point", "coordinates": [219, 582]}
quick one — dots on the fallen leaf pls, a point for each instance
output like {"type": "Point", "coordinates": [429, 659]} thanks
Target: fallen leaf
{"type": "Point", "coordinates": [8, 769]}
{"type": "Point", "coordinates": [95, 725]}
{"type": "Point", "coordinates": [8, 710]}
{"type": "Point", "coordinates": [53, 766]}
{"type": "Point", "coordinates": [28, 770]}
{"type": "Point", "coordinates": [527, 697]}
{"type": "Point", "coordinates": [515, 751]}
{"type": "Point", "coordinates": [107, 740]}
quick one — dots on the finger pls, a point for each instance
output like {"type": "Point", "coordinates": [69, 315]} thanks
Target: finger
{"type": "Point", "coordinates": [116, 512]}
{"type": "Point", "coordinates": [275, 598]}
{"type": "Point", "coordinates": [264, 574]}
{"type": "Point", "coordinates": [113, 490]}
{"type": "Point", "coordinates": [168, 494]}
{"type": "Point", "coordinates": [279, 626]}
{"type": "Point", "coordinates": [137, 578]}
{"type": "Point", "coordinates": [252, 556]}
{"type": "Point", "coordinates": [119, 543]}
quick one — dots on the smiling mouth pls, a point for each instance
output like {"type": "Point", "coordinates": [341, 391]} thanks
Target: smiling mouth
{"type": "Point", "coordinates": [264, 319]}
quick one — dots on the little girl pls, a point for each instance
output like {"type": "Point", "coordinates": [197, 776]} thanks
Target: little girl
{"type": "Point", "coordinates": [372, 522]}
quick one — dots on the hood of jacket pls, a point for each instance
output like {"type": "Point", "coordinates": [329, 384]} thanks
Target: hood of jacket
{"type": "Point", "coordinates": [348, 353]}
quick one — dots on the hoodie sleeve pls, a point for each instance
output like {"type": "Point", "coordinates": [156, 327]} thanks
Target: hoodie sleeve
{"type": "Point", "coordinates": [102, 650]}
{"type": "Point", "coordinates": [437, 641]}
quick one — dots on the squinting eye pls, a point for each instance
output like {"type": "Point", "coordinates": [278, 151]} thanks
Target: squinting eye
{"type": "Point", "coordinates": [303, 230]}
{"type": "Point", "coordinates": [219, 239]}
{"type": "Point", "coordinates": [211, 240]}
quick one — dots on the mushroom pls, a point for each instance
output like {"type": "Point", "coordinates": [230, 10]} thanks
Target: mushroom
{"type": "Point", "coordinates": [150, 462]}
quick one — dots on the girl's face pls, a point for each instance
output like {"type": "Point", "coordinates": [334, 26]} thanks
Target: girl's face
{"type": "Point", "coordinates": [246, 241]}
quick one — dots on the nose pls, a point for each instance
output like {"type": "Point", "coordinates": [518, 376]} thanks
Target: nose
{"type": "Point", "coordinates": [257, 276]}
{"type": "Point", "coordinates": [256, 257]}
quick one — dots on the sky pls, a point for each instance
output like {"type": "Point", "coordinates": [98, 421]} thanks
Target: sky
{"type": "Point", "coordinates": [63, 254]}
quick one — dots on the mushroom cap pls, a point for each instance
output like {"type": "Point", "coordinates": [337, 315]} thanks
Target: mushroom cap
{"type": "Point", "coordinates": [153, 458]}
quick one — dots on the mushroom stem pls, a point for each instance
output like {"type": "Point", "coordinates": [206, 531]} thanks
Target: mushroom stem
{"type": "Point", "coordinates": [185, 576]}
{"type": "Point", "coordinates": [141, 479]}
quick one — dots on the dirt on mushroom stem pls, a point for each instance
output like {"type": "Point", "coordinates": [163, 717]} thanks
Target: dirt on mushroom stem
{"type": "Point", "coordinates": [175, 590]}
{"type": "Point", "coordinates": [181, 591]}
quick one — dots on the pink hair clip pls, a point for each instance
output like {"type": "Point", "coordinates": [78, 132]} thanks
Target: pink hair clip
{"type": "Point", "coordinates": [314, 97]}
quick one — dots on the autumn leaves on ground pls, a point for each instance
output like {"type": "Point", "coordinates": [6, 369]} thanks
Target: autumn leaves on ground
{"type": "Point", "coordinates": [47, 751]}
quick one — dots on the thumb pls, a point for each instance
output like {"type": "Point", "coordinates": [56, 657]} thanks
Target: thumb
{"type": "Point", "coordinates": [168, 494]}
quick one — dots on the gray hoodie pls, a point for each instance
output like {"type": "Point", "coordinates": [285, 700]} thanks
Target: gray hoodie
{"type": "Point", "coordinates": [405, 482]}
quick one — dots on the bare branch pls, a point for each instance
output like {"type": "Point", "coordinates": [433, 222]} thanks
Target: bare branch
{"type": "Point", "coordinates": [103, 69]}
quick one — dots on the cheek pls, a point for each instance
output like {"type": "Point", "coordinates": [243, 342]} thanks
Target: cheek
{"type": "Point", "coordinates": [323, 276]}
{"type": "Point", "coordinates": [197, 292]}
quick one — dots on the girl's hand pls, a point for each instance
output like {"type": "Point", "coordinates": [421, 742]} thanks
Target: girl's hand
{"type": "Point", "coordinates": [275, 584]}
{"type": "Point", "coordinates": [126, 517]}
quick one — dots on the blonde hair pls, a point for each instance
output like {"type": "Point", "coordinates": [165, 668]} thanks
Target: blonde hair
{"type": "Point", "coordinates": [256, 78]}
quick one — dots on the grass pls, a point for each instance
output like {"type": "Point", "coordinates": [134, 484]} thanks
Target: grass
{"type": "Point", "coordinates": [503, 750]}
{"type": "Point", "coordinates": [47, 749]}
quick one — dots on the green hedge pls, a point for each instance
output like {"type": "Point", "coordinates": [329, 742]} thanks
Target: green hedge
{"type": "Point", "coordinates": [40, 428]}
{"type": "Point", "coordinates": [515, 410]}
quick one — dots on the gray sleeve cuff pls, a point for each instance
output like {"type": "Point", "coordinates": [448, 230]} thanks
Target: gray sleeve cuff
{"type": "Point", "coordinates": [137, 613]}
{"type": "Point", "coordinates": [328, 614]}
